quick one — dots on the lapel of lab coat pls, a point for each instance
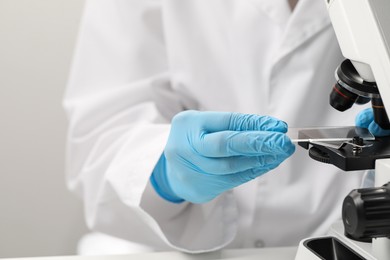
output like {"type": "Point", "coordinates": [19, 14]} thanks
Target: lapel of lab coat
{"type": "Point", "coordinates": [277, 10]}
{"type": "Point", "coordinates": [308, 18]}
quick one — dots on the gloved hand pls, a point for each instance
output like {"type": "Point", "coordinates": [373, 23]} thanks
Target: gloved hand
{"type": "Point", "coordinates": [208, 153]}
{"type": "Point", "coordinates": [365, 119]}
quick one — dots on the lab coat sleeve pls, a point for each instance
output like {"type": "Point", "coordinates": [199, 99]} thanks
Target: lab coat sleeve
{"type": "Point", "coordinates": [119, 102]}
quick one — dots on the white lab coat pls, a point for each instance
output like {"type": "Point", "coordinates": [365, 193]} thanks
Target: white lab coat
{"type": "Point", "coordinates": [139, 62]}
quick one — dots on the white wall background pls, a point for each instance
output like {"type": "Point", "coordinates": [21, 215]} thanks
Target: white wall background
{"type": "Point", "coordinates": [38, 216]}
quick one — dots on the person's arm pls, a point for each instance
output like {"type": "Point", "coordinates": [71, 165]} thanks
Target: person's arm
{"type": "Point", "coordinates": [119, 102]}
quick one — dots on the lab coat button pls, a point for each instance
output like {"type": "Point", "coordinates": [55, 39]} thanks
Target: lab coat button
{"type": "Point", "coordinates": [259, 243]}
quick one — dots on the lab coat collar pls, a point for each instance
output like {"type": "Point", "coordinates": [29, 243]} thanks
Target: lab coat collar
{"type": "Point", "coordinates": [277, 10]}
{"type": "Point", "coordinates": [308, 19]}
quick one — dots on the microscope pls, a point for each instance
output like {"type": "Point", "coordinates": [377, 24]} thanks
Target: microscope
{"type": "Point", "coordinates": [362, 29]}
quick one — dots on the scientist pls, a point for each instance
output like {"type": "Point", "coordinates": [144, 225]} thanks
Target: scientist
{"type": "Point", "coordinates": [178, 110]}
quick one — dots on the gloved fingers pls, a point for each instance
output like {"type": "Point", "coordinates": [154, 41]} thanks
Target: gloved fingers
{"type": "Point", "coordinates": [248, 175]}
{"type": "Point", "coordinates": [222, 121]}
{"type": "Point", "coordinates": [365, 119]}
{"type": "Point", "coordinates": [376, 130]}
{"type": "Point", "coordinates": [235, 164]}
{"type": "Point", "coordinates": [250, 122]}
{"type": "Point", "coordinates": [226, 182]}
{"type": "Point", "coordinates": [251, 143]}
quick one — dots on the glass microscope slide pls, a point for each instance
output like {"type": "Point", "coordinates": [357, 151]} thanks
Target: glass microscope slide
{"type": "Point", "coordinates": [328, 134]}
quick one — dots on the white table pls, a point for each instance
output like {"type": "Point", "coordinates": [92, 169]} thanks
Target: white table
{"type": "Point", "coordinates": [279, 253]}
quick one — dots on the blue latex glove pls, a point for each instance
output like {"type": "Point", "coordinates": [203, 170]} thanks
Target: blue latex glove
{"type": "Point", "coordinates": [208, 153]}
{"type": "Point", "coordinates": [365, 119]}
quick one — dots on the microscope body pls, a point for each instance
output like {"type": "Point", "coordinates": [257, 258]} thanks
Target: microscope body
{"type": "Point", "coordinates": [362, 29]}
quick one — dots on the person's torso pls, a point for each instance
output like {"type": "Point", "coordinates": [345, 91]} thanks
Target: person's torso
{"type": "Point", "coordinates": [255, 56]}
